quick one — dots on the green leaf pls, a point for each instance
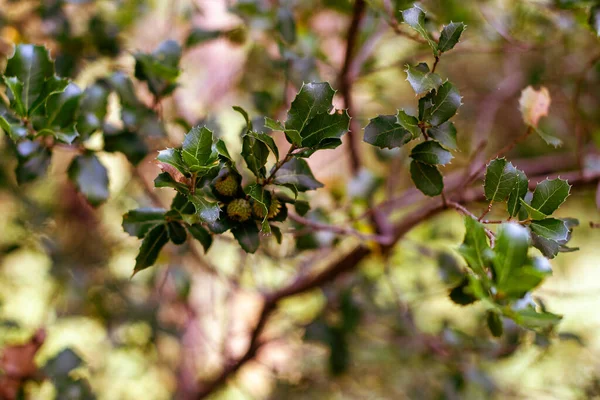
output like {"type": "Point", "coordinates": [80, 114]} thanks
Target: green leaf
{"type": "Point", "coordinates": [549, 139]}
{"type": "Point", "coordinates": [33, 160]}
{"type": "Point", "coordinates": [324, 127]}
{"type": "Point", "coordinates": [494, 323]}
{"type": "Point", "coordinates": [159, 69]}
{"type": "Point", "coordinates": [208, 211]}
{"type": "Point", "coordinates": [427, 178]}
{"type": "Point", "coordinates": [244, 114]}
{"type": "Point", "coordinates": [385, 132]}
{"type": "Point", "coordinates": [199, 35]}
{"type": "Point", "coordinates": [298, 173]}
{"type": "Point", "coordinates": [549, 195]}
{"type": "Point", "coordinates": [201, 235]}
{"type": "Point", "coordinates": [274, 125]}
{"type": "Point", "coordinates": [15, 131]}
{"type": "Point", "coordinates": [461, 293]}
{"type": "Point", "coordinates": [594, 19]}
{"type": "Point", "coordinates": [450, 36]}
{"type": "Point", "coordinates": [173, 158]}
{"type": "Point", "coordinates": [415, 17]}
{"type": "Point", "coordinates": [445, 134]}
{"type": "Point", "coordinates": [551, 228]}
{"type": "Point", "coordinates": [247, 236]}
{"type": "Point", "coordinates": [500, 179]}
{"type": "Point", "coordinates": [475, 248]}
{"type": "Point", "coordinates": [531, 318]}
{"type": "Point", "coordinates": [61, 109]}
{"type": "Point", "coordinates": [130, 144]}
{"type": "Point", "coordinates": [261, 197]}
{"type": "Point", "coordinates": [409, 123]}
{"type": "Point", "coordinates": [293, 137]}
{"type": "Point", "coordinates": [526, 278]}
{"type": "Point", "coordinates": [90, 177]}
{"type": "Point", "coordinates": [421, 79]}
{"type": "Point", "coordinates": [150, 248]}
{"type": "Point", "coordinates": [197, 148]}
{"type": "Point", "coordinates": [425, 106]}
{"type": "Point", "coordinates": [268, 140]}
{"type": "Point", "coordinates": [510, 251]}
{"type": "Point", "coordinates": [139, 222]}
{"type": "Point", "coordinates": [312, 99]}
{"type": "Point", "coordinates": [431, 152]}
{"type": "Point", "coordinates": [286, 25]}
{"type": "Point", "coordinates": [32, 66]}
{"type": "Point", "coordinates": [255, 152]}
{"type": "Point", "coordinates": [176, 232]}
{"type": "Point", "coordinates": [446, 102]}
{"type": "Point", "coordinates": [15, 91]}
{"type": "Point", "coordinates": [532, 212]}
{"type": "Point", "coordinates": [517, 193]}
{"type": "Point", "coordinates": [92, 109]}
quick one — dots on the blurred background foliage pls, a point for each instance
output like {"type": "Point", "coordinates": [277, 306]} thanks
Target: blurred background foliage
{"type": "Point", "coordinates": [388, 331]}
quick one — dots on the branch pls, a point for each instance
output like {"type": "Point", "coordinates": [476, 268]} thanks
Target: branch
{"type": "Point", "coordinates": [346, 81]}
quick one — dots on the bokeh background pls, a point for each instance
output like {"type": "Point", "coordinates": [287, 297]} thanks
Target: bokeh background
{"type": "Point", "coordinates": [66, 267]}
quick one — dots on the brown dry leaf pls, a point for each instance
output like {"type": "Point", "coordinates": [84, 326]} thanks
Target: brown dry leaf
{"type": "Point", "coordinates": [17, 365]}
{"type": "Point", "coordinates": [534, 104]}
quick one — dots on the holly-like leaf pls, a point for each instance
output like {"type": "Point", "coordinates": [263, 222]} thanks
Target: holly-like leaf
{"type": "Point", "coordinates": [247, 236]}
{"type": "Point", "coordinates": [32, 66]}
{"type": "Point", "coordinates": [532, 212]}
{"type": "Point", "coordinates": [526, 278]}
{"type": "Point", "coordinates": [286, 25]}
{"type": "Point", "coordinates": [33, 160]}
{"type": "Point", "coordinates": [92, 108]}
{"type": "Point", "coordinates": [170, 161]}
{"type": "Point", "coordinates": [151, 247]}
{"type": "Point", "coordinates": [431, 152]}
{"type": "Point", "coordinates": [450, 36]}
{"type": "Point", "coordinates": [425, 106]}
{"type": "Point", "coordinates": [16, 131]}
{"type": "Point", "coordinates": [90, 177]}
{"type": "Point", "coordinates": [445, 134]}
{"type": "Point", "coordinates": [325, 127]}
{"type": "Point", "coordinates": [244, 114]}
{"type": "Point", "coordinates": [427, 178]}
{"type": "Point", "coordinates": [517, 193]}
{"type": "Point", "coordinates": [268, 140]}
{"type": "Point", "coordinates": [15, 92]}
{"type": "Point", "coordinates": [534, 104]}
{"type": "Point", "coordinates": [385, 132]}
{"type": "Point", "coordinates": [461, 294]}
{"type": "Point", "coordinates": [208, 211]}
{"type": "Point", "coordinates": [262, 198]}
{"type": "Point", "coordinates": [197, 148]}
{"type": "Point", "coordinates": [549, 139]}
{"type": "Point", "coordinates": [139, 222]}
{"type": "Point", "coordinates": [500, 179]}
{"type": "Point", "coordinates": [409, 123]}
{"type": "Point", "coordinates": [475, 248]}
{"type": "Point", "coordinates": [551, 228]}
{"type": "Point", "coordinates": [549, 195]}
{"type": "Point", "coordinates": [533, 319]}
{"type": "Point", "coordinates": [415, 17]}
{"type": "Point", "coordinates": [128, 143]}
{"type": "Point", "coordinates": [510, 251]}
{"type": "Point", "coordinates": [255, 152]}
{"type": "Point", "coordinates": [312, 99]}
{"type": "Point", "coordinates": [201, 235]}
{"type": "Point", "coordinates": [298, 173]}
{"type": "Point", "coordinates": [159, 69]}
{"type": "Point", "coordinates": [421, 79]}
{"type": "Point", "coordinates": [446, 102]}
{"type": "Point", "coordinates": [274, 125]}
{"type": "Point", "coordinates": [176, 232]}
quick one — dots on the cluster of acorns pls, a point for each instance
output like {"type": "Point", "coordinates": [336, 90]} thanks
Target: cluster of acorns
{"type": "Point", "coordinates": [240, 209]}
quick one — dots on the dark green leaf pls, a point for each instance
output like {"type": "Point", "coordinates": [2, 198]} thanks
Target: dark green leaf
{"type": "Point", "coordinates": [151, 247]}
{"type": "Point", "coordinates": [409, 123]}
{"type": "Point", "coordinates": [197, 148]}
{"type": "Point", "coordinates": [446, 102]}
{"type": "Point", "coordinates": [450, 36]}
{"type": "Point", "coordinates": [324, 127]}
{"type": "Point", "coordinates": [208, 211]}
{"type": "Point", "coordinates": [385, 132]}
{"type": "Point", "coordinates": [525, 278]}
{"type": "Point", "coordinates": [128, 143]}
{"type": "Point", "coordinates": [176, 232]}
{"type": "Point", "coordinates": [422, 81]}
{"type": "Point", "coordinates": [247, 236]}
{"type": "Point", "coordinates": [262, 198]}
{"type": "Point", "coordinates": [139, 222]}
{"type": "Point", "coordinates": [286, 25]}
{"type": "Point", "coordinates": [201, 235]}
{"type": "Point", "coordinates": [274, 125]}
{"type": "Point", "coordinates": [549, 139]}
{"type": "Point", "coordinates": [312, 99]}
{"type": "Point", "coordinates": [298, 173]}
{"type": "Point", "coordinates": [475, 248]}
{"type": "Point", "coordinates": [461, 294]}
{"type": "Point", "coordinates": [415, 17]}
{"type": "Point", "coordinates": [14, 94]}
{"type": "Point", "coordinates": [531, 318]}
{"type": "Point", "coordinates": [549, 195]}
{"type": "Point", "coordinates": [159, 69]}
{"type": "Point", "coordinates": [510, 252]}
{"type": "Point", "coordinates": [427, 178]}
{"type": "Point", "coordinates": [33, 161]}
{"type": "Point", "coordinates": [92, 108]}
{"type": "Point", "coordinates": [431, 152]}
{"type": "Point", "coordinates": [445, 134]}
{"type": "Point", "coordinates": [517, 193]}
{"type": "Point", "coordinates": [199, 35]}
{"type": "Point", "coordinates": [425, 106]}
{"type": "Point", "coordinates": [532, 212]}
{"type": "Point", "coordinates": [255, 152]}
{"type": "Point", "coordinates": [268, 140]}
{"type": "Point", "coordinates": [548, 247]}
{"type": "Point", "coordinates": [594, 19]}
{"type": "Point", "coordinates": [15, 131]}
{"type": "Point", "coordinates": [90, 177]}
{"type": "Point", "coordinates": [244, 114]}
{"type": "Point", "coordinates": [500, 179]}
{"type": "Point", "coordinates": [552, 229]}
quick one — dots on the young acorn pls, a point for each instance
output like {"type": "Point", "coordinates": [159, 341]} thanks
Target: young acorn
{"type": "Point", "coordinates": [227, 185]}
{"type": "Point", "coordinates": [274, 209]}
{"type": "Point", "coordinates": [239, 210]}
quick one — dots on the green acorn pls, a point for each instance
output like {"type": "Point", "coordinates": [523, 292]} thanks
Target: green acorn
{"type": "Point", "coordinates": [227, 185]}
{"type": "Point", "coordinates": [274, 209]}
{"type": "Point", "coordinates": [239, 210]}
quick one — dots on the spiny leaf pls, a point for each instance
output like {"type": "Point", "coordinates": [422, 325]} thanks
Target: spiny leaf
{"type": "Point", "coordinates": [201, 235]}
{"type": "Point", "coordinates": [255, 152]}
{"type": "Point", "coordinates": [415, 17]}
{"type": "Point", "coordinates": [517, 193]}
{"type": "Point", "coordinates": [247, 236]}
{"type": "Point", "coordinates": [151, 246]}
{"type": "Point", "coordinates": [197, 147]}
{"type": "Point", "coordinates": [532, 212]}
{"type": "Point", "coordinates": [427, 178]}
{"type": "Point", "coordinates": [500, 179]}
{"type": "Point", "coordinates": [431, 152]}
{"type": "Point", "coordinates": [139, 222]}
{"type": "Point", "coordinates": [549, 195]}
{"type": "Point", "coordinates": [475, 248]}
{"type": "Point", "coordinates": [208, 211]}
{"type": "Point", "coordinates": [421, 80]}
{"type": "Point", "coordinates": [324, 127]}
{"type": "Point", "coordinates": [446, 102]}
{"type": "Point", "coordinates": [176, 232]}
{"type": "Point", "coordinates": [385, 132]}
{"type": "Point", "coordinates": [510, 252]}
{"type": "Point", "coordinates": [409, 123]}
{"type": "Point", "coordinates": [298, 173]}
{"type": "Point", "coordinates": [90, 177]}
{"type": "Point", "coordinates": [551, 228]}
{"type": "Point", "coordinates": [312, 99]}
{"type": "Point", "coordinates": [445, 134]}
{"type": "Point", "coordinates": [450, 36]}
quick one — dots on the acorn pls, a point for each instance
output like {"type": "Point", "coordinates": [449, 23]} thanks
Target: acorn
{"type": "Point", "coordinates": [227, 185]}
{"type": "Point", "coordinates": [274, 209]}
{"type": "Point", "coordinates": [239, 210]}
